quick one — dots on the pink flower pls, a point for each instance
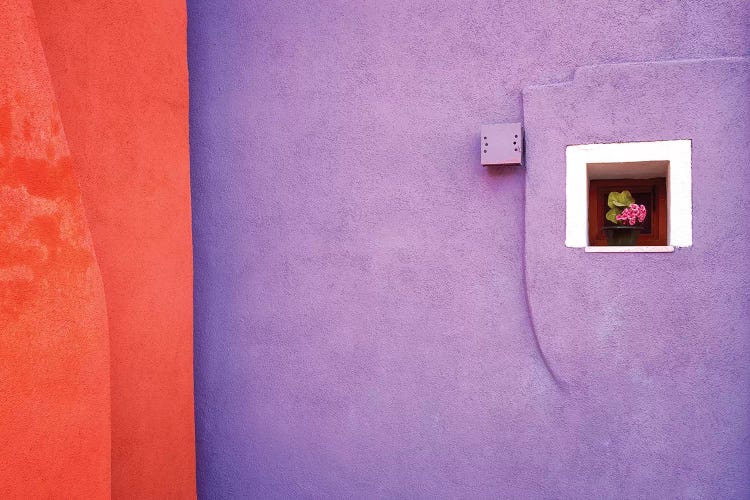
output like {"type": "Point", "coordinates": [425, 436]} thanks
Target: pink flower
{"type": "Point", "coordinates": [632, 214]}
{"type": "Point", "coordinates": [641, 213]}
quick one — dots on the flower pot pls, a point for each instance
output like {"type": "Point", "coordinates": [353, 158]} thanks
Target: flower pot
{"type": "Point", "coordinates": [622, 236]}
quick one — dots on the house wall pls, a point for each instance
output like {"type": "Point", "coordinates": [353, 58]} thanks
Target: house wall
{"type": "Point", "coordinates": [54, 342]}
{"type": "Point", "coordinates": [119, 70]}
{"type": "Point", "coordinates": [652, 347]}
{"type": "Point", "coordinates": [363, 326]}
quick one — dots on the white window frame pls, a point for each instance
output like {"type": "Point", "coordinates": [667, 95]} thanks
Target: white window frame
{"type": "Point", "coordinates": [679, 185]}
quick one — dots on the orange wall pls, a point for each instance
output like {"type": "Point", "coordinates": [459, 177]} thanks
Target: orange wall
{"type": "Point", "coordinates": [119, 71]}
{"type": "Point", "coordinates": [54, 352]}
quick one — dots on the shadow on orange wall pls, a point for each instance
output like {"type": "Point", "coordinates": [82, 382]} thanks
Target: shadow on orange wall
{"type": "Point", "coordinates": [54, 351]}
{"type": "Point", "coordinates": [120, 75]}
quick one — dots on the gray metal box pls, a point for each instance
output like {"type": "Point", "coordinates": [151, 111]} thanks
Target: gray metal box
{"type": "Point", "coordinates": [502, 144]}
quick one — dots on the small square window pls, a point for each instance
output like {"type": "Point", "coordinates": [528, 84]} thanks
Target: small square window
{"type": "Point", "coordinates": [656, 173]}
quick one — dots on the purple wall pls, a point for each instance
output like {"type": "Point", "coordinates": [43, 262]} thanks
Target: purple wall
{"type": "Point", "coordinates": [657, 404]}
{"type": "Point", "coordinates": [362, 323]}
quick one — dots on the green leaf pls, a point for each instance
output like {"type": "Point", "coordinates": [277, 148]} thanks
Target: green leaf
{"type": "Point", "coordinates": [627, 198]}
{"type": "Point", "coordinates": [612, 214]}
{"type": "Point", "coordinates": [616, 199]}
{"type": "Point", "coordinates": [611, 199]}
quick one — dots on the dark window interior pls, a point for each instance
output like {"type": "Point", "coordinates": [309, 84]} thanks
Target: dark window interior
{"type": "Point", "coordinates": [652, 193]}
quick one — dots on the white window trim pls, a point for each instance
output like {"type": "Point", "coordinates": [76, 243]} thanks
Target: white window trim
{"type": "Point", "coordinates": [679, 185]}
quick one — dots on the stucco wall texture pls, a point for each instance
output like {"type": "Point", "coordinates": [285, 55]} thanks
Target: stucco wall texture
{"type": "Point", "coordinates": [119, 70]}
{"type": "Point", "coordinates": [361, 321]}
{"type": "Point", "coordinates": [54, 347]}
{"type": "Point", "coordinates": [116, 181]}
{"type": "Point", "coordinates": [656, 374]}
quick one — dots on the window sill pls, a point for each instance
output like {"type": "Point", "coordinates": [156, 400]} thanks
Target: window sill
{"type": "Point", "coordinates": [641, 249]}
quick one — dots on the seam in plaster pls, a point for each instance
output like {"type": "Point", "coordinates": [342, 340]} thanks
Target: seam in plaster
{"type": "Point", "coordinates": [560, 383]}
{"type": "Point", "coordinates": [98, 275]}
{"type": "Point", "coordinates": [580, 72]}
{"type": "Point", "coordinates": [577, 73]}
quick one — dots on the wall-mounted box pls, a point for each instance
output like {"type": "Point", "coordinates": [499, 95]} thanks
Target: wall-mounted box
{"type": "Point", "coordinates": [502, 144]}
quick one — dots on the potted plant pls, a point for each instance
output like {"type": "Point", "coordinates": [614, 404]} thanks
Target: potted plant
{"type": "Point", "coordinates": [623, 212]}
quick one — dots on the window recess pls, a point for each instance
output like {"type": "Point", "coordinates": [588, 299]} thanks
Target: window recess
{"type": "Point", "coordinates": [652, 193]}
{"type": "Point", "coordinates": [658, 174]}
